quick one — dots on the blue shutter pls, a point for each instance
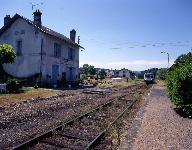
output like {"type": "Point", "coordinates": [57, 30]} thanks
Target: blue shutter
{"type": "Point", "coordinates": [55, 50]}
{"type": "Point", "coordinates": [68, 53]}
{"type": "Point", "coordinates": [59, 50]}
{"type": "Point", "coordinates": [73, 54]}
{"type": "Point", "coordinates": [19, 48]}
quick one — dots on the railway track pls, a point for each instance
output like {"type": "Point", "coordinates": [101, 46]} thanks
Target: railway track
{"type": "Point", "coordinates": [107, 90]}
{"type": "Point", "coordinates": [84, 131]}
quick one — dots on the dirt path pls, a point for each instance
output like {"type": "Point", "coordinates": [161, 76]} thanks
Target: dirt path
{"type": "Point", "coordinates": [158, 127]}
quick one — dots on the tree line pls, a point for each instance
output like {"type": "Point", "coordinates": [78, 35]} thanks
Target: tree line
{"type": "Point", "coordinates": [90, 70]}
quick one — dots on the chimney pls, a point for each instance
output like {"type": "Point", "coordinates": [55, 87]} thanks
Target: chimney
{"type": "Point", "coordinates": [7, 19]}
{"type": "Point", "coordinates": [72, 35]}
{"type": "Point", "coordinates": [37, 18]}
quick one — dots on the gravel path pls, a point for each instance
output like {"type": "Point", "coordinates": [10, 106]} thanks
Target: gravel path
{"type": "Point", "coordinates": [158, 127]}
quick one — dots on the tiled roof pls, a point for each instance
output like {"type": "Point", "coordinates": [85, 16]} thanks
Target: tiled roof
{"type": "Point", "coordinates": [42, 29]}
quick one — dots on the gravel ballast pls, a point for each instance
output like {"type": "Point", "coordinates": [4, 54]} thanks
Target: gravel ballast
{"type": "Point", "coordinates": [21, 121]}
{"type": "Point", "coordinates": [158, 126]}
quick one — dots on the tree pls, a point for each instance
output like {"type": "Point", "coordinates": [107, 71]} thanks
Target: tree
{"type": "Point", "coordinates": [182, 59]}
{"type": "Point", "coordinates": [162, 73]}
{"type": "Point", "coordinates": [89, 69]}
{"type": "Point", "coordinates": [92, 70]}
{"type": "Point", "coordinates": [102, 74]}
{"type": "Point", "coordinates": [179, 87]}
{"type": "Point", "coordinates": [7, 54]}
{"type": "Point", "coordinates": [86, 69]}
{"type": "Point", "coordinates": [179, 83]}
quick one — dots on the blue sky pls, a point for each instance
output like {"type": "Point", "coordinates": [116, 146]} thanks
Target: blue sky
{"type": "Point", "coordinates": [117, 33]}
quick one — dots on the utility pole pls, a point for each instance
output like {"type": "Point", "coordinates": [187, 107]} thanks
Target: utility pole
{"type": "Point", "coordinates": [168, 57]}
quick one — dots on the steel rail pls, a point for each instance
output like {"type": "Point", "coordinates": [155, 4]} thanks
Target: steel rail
{"type": "Point", "coordinates": [29, 143]}
{"type": "Point", "coordinates": [48, 133]}
{"type": "Point", "coordinates": [93, 143]}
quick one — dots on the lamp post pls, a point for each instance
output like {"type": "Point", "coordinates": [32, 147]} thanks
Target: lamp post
{"type": "Point", "coordinates": [167, 57]}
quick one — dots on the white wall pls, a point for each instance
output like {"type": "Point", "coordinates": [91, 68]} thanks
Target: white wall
{"type": "Point", "coordinates": [110, 73]}
{"type": "Point", "coordinates": [124, 73]}
{"type": "Point", "coordinates": [27, 64]}
{"type": "Point", "coordinates": [62, 62]}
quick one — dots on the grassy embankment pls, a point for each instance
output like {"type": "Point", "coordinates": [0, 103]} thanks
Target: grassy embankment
{"type": "Point", "coordinates": [28, 93]}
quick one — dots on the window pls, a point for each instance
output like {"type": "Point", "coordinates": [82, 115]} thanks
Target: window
{"type": "Point", "coordinates": [63, 76]}
{"type": "Point", "coordinates": [19, 48]}
{"type": "Point", "coordinates": [57, 50]}
{"type": "Point", "coordinates": [71, 54]}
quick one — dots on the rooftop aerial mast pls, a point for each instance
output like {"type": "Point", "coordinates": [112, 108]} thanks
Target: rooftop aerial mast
{"type": "Point", "coordinates": [34, 5]}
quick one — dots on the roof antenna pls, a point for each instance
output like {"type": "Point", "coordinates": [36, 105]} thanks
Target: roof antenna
{"type": "Point", "coordinates": [78, 40]}
{"type": "Point", "coordinates": [34, 5]}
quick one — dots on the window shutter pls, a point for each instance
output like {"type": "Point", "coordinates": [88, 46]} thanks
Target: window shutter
{"type": "Point", "coordinates": [73, 54]}
{"type": "Point", "coordinates": [69, 53]}
{"type": "Point", "coordinates": [19, 48]}
{"type": "Point", "coordinates": [59, 50]}
{"type": "Point", "coordinates": [55, 51]}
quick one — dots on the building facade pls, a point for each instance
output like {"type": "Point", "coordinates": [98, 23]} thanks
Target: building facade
{"type": "Point", "coordinates": [110, 73]}
{"type": "Point", "coordinates": [40, 50]}
{"type": "Point", "coordinates": [125, 73]}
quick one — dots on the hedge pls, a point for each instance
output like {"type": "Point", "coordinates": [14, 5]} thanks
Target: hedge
{"type": "Point", "coordinates": [179, 86]}
{"type": "Point", "coordinates": [13, 86]}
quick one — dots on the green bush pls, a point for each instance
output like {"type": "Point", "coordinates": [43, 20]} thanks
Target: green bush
{"type": "Point", "coordinates": [179, 86]}
{"type": "Point", "coordinates": [13, 85]}
{"type": "Point", "coordinates": [102, 74]}
{"type": "Point", "coordinates": [162, 73]}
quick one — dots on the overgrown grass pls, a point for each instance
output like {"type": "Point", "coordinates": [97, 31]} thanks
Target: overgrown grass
{"type": "Point", "coordinates": [27, 93]}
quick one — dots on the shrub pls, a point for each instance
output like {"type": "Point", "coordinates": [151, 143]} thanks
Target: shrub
{"type": "Point", "coordinates": [36, 86]}
{"type": "Point", "coordinates": [162, 73]}
{"type": "Point", "coordinates": [179, 86]}
{"type": "Point", "coordinates": [102, 74]}
{"type": "Point", "coordinates": [7, 54]}
{"type": "Point", "coordinates": [83, 77]}
{"type": "Point", "coordinates": [13, 85]}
